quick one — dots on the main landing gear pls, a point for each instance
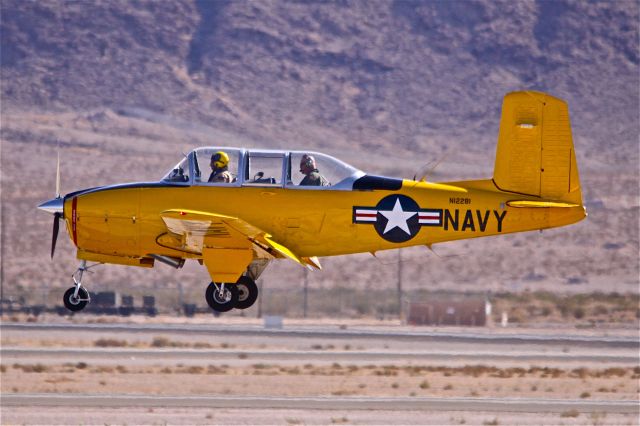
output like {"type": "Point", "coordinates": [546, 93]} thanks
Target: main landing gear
{"type": "Point", "coordinates": [77, 297]}
{"type": "Point", "coordinates": [222, 297]}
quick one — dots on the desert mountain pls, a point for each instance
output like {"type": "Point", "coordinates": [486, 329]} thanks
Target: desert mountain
{"type": "Point", "coordinates": [124, 87]}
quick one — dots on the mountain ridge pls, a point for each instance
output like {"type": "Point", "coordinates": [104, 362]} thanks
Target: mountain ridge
{"type": "Point", "coordinates": [388, 86]}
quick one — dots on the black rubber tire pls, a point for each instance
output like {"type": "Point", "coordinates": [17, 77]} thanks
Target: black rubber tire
{"type": "Point", "coordinates": [247, 293]}
{"type": "Point", "coordinates": [229, 302]}
{"type": "Point", "coordinates": [71, 303]}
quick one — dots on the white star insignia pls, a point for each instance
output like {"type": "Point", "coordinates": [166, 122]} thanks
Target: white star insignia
{"type": "Point", "coordinates": [397, 218]}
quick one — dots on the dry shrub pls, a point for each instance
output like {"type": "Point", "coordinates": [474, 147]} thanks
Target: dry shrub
{"type": "Point", "coordinates": [570, 413]}
{"type": "Point", "coordinates": [3, 369]}
{"type": "Point", "coordinates": [161, 342]}
{"type": "Point", "coordinates": [425, 385]}
{"type": "Point", "coordinates": [615, 371]}
{"type": "Point", "coordinates": [581, 373]}
{"type": "Point", "coordinates": [413, 370]}
{"type": "Point", "coordinates": [57, 380]}
{"type": "Point", "coordinates": [194, 369]}
{"type": "Point", "coordinates": [105, 343]}
{"type": "Point", "coordinates": [31, 368]}
{"type": "Point", "coordinates": [214, 369]}
{"type": "Point", "coordinates": [121, 369]}
{"type": "Point", "coordinates": [81, 365]}
{"type": "Point", "coordinates": [386, 372]}
{"type": "Point", "coordinates": [585, 395]}
{"type": "Point", "coordinates": [342, 392]}
{"type": "Point", "coordinates": [474, 370]}
{"type": "Point", "coordinates": [294, 371]}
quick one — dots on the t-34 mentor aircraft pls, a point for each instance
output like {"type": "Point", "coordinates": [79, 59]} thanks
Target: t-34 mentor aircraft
{"type": "Point", "coordinates": [254, 206]}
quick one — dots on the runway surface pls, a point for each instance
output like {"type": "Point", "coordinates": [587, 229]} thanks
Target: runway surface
{"type": "Point", "coordinates": [527, 405]}
{"type": "Point", "coordinates": [315, 374]}
{"type": "Point", "coordinates": [114, 355]}
{"type": "Point", "coordinates": [410, 334]}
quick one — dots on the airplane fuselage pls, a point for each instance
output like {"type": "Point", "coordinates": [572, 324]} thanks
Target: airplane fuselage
{"type": "Point", "coordinates": [126, 220]}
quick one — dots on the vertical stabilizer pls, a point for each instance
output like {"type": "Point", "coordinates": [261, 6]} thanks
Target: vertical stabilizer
{"type": "Point", "coordinates": [535, 154]}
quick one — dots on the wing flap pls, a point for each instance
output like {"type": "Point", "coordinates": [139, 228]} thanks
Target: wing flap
{"type": "Point", "coordinates": [198, 230]}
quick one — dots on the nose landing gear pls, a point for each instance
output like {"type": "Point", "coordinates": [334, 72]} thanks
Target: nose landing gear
{"type": "Point", "coordinates": [77, 297]}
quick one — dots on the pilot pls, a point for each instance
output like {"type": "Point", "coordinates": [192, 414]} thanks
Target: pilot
{"type": "Point", "coordinates": [220, 168]}
{"type": "Point", "coordinates": [312, 175]}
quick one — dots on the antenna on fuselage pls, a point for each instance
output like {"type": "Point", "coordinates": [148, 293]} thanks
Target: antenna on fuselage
{"type": "Point", "coordinates": [425, 171]}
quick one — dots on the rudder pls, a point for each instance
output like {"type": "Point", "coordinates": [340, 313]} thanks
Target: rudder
{"type": "Point", "coordinates": [535, 154]}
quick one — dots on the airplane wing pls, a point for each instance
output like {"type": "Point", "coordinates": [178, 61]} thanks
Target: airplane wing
{"type": "Point", "coordinates": [198, 230]}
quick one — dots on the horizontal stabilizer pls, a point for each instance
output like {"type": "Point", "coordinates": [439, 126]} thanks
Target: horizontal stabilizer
{"type": "Point", "coordinates": [539, 204]}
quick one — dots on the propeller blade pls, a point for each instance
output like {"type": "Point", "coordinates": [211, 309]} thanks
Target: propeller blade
{"type": "Point", "coordinates": [56, 227]}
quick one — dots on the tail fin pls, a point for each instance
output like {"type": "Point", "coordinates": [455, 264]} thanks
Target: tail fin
{"type": "Point", "coordinates": [535, 154]}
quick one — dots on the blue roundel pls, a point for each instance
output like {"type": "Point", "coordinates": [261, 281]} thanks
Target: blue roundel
{"type": "Point", "coordinates": [397, 219]}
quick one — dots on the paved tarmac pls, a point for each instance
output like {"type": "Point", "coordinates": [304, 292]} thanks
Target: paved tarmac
{"type": "Point", "coordinates": [353, 333]}
{"type": "Point", "coordinates": [104, 356]}
{"type": "Point", "coordinates": [528, 405]}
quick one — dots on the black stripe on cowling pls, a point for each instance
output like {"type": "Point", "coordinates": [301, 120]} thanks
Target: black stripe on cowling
{"type": "Point", "coordinates": [372, 183]}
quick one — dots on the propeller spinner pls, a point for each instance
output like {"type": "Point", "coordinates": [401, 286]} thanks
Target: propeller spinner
{"type": "Point", "coordinates": [55, 207]}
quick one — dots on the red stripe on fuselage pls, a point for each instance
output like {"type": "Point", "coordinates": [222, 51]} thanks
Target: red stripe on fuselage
{"type": "Point", "coordinates": [429, 216]}
{"type": "Point", "coordinates": [74, 219]}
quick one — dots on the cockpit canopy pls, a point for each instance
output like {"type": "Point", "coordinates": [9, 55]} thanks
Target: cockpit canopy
{"type": "Point", "coordinates": [262, 168]}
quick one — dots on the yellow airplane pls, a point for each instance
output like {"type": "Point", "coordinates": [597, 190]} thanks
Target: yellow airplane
{"type": "Point", "coordinates": [255, 206]}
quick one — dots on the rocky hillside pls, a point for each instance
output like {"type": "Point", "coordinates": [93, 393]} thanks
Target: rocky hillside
{"type": "Point", "coordinates": [385, 85]}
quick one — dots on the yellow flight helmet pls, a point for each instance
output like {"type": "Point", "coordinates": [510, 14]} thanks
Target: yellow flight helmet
{"type": "Point", "coordinates": [220, 159]}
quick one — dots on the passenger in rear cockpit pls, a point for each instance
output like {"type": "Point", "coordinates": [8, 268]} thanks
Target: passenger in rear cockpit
{"type": "Point", "coordinates": [220, 168]}
{"type": "Point", "coordinates": [312, 174]}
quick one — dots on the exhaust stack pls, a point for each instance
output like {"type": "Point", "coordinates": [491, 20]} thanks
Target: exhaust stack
{"type": "Point", "coordinates": [171, 261]}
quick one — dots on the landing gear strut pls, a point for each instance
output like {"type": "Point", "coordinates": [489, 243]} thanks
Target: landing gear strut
{"type": "Point", "coordinates": [77, 297]}
{"type": "Point", "coordinates": [222, 297]}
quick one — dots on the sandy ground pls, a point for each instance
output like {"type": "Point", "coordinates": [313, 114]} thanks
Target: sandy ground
{"type": "Point", "coordinates": [158, 368]}
{"type": "Point", "coordinates": [205, 416]}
